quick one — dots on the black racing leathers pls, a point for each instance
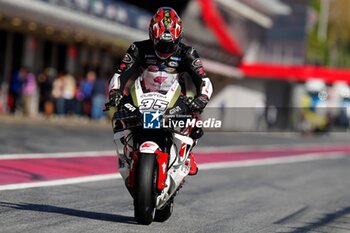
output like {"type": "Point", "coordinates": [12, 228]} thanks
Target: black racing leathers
{"type": "Point", "coordinates": [141, 60]}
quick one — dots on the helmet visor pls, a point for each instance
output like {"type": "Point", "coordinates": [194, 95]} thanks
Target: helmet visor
{"type": "Point", "coordinates": [165, 47]}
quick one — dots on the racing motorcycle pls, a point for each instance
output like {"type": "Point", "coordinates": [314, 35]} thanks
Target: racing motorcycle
{"type": "Point", "coordinates": [153, 150]}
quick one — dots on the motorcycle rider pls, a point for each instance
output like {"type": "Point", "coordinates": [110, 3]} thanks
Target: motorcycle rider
{"type": "Point", "coordinates": [161, 60]}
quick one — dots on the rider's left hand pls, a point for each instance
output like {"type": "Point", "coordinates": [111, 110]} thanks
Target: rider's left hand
{"type": "Point", "coordinates": [199, 103]}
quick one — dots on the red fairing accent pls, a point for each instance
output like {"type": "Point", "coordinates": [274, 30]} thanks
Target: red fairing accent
{"type": "Point", "coordinates": [147, 145]}
{"type": "Point", "coordinates": [216, 23]}
{"type": "Point", "coordinates": [162, 159]}
{"type": "Point", "coordinates": [295, 73]}
{"type": "Point", "coordinates": [182, 150]}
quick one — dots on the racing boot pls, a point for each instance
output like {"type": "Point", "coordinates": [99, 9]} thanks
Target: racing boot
{"type": "Point", "coordinates": [193, 164]}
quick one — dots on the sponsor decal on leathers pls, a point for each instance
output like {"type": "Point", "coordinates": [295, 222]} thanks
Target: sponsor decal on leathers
{"type": "Point", "coordinates": [127, 58]}
{"type": "Point", "coordinates": [173, 64]}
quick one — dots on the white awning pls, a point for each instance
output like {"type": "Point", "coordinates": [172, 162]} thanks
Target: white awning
{"type": "Point", "coordinates": [222, 69]}
{"type": "Point", "coordinates": [246, 12]}
{"type": "Point", "coordinates": [66, 19]}
{"type": "Point", "coordinates": [271, 7]}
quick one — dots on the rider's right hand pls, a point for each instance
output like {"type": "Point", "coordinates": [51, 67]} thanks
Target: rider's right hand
{"type": "Point", "coordinates": [114, 98]}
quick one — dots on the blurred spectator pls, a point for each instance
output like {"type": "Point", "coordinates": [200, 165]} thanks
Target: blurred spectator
{"type": "Point", "coordinates": [15, 98]}
{"type": "Point", "coordinates": [86, 90]}
{"type": "Point", "coordinates": [45, 82]}
{"type": "Point", "coordinates": [98, 98]}
{"type": "Point", "coordinates": [57, 93]}
{"type": "Point", "coordinates": [60, 94]}
{"type": "Point", "coordinates": [79, 97]}
{"type": "Point", "coordinates": [29, 92]}
{"type": "Point", "coordinates": [69, 93]}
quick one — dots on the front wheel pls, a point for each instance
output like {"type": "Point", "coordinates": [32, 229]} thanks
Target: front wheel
{"type": "Point", "coordinates": [145, 188]}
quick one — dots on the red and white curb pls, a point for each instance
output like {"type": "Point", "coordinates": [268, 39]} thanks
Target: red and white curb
{"type": "Point", "coordinates": [22, 171]}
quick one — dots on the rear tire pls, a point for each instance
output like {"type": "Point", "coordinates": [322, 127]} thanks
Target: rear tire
{"type": "Point", "coordinates": [145, 189]}
{"type": "Point", "coordinates": [164, 214]}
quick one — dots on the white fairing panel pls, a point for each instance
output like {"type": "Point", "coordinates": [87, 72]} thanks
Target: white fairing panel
{"type": "Point", "coordinates": [124, 167]}
{"type": "Point", "coordinates": [158, 81]}
{"type": "Point", "coordinates": [179, 169]}
{"type": "Point", "coordinates": [154, 101]}
{"type": "Point", "coordinates": [148, 147]}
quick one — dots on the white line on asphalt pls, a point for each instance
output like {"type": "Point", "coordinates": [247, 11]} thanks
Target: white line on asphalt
{"type": "Point", "coordinates": [208, 166]}
{"type": "Point", "coordinates": [273, 161]}
{"type": "Point", "coordinates": [225, 149]}
{"type": "Point", "coordinates": [58, 155]}
{"type": "Point", "coordinates": [68, 181]}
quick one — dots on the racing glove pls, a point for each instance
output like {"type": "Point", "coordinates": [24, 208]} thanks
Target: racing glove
{"type": "Point", "coordinates": [199, 103]}
{"type": "Point", "coordinates": [114, 98]}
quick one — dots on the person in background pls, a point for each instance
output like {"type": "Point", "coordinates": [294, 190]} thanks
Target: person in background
{"type": "Point", "coordinates": [57, 93]}
{"type": "Point", "coordinates": [79, 96]}
{"type": "Point", "coordinates": [69, 91]}
{"type": "Point", "coordinates": [45, 83]}
{"type": "Point", "coordinates": [29, 92]}
{"type": "Point", "coordinates": [86, 91]}
{"type": "Point", "coordinates": [15, 103]}
{"type": "Point", "coordinates": [98, 98]}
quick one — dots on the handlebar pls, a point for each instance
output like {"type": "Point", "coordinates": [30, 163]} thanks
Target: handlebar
{"type": "Point", "coordinates": [107, 107]}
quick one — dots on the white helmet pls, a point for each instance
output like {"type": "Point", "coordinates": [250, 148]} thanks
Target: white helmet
{"type": "Point", "coordinates": [315, 85]}
{"type": "Point", "coordinates": [342, 89]}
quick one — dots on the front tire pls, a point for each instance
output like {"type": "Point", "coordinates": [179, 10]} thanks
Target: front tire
{"type": "Point", "coordinates": [145, 189]}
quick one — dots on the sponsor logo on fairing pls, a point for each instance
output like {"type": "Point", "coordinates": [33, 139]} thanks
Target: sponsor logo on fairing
{"type": "Point", "coordinates": [130, 107]}
{"type": "Point", "coordinates": [175, 110]}
{"type": "Point", "coordinates": [151, 120]}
